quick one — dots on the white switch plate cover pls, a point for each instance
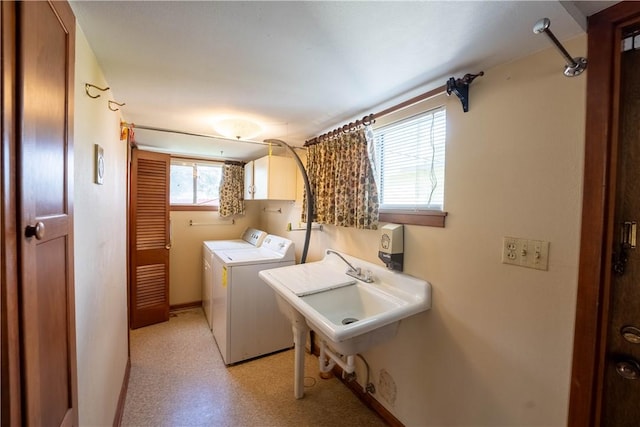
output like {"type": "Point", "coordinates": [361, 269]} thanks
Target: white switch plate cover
{"type": "Point", "coordinates": [525, 252]}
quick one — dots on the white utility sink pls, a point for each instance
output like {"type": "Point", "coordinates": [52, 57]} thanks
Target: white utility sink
{"type": "Point", "coordinates": [353, 317]}
{"type": "Point", "coordinates": [349, 314]}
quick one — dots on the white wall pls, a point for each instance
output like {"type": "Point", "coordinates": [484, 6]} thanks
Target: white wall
{"type": "Point", "coordinates": [496, 348]}
{"type": "Point", "coordinates": [100, 247]}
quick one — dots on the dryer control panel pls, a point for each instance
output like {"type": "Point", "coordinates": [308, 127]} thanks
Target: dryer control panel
{"type": "Point", "coordinates": [277, 244]}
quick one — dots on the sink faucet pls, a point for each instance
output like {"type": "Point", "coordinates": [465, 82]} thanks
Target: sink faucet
{"type": "Point", "coordinates": [352, 271]}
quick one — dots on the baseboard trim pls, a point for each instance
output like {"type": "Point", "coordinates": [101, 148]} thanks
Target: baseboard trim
{"type": "Point", "coordinates": [117, 420]}
{"type": "Point", "coordinates": [185, 305]}
{"type": "Point", "coordinates": [365, 398]}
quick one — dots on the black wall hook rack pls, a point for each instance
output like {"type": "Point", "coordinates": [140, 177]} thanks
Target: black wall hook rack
{"type": "Point", "coordinates": [461, 88]}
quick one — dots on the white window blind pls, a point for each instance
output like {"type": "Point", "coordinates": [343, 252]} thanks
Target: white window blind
{"type": "Point", "coordinates": [410, 157]}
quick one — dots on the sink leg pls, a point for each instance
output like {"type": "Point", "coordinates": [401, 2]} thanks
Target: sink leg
{"type": "Point", "coordinates": [299, 341]}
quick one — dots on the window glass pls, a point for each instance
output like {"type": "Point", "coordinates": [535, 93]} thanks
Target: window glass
{"type": "Point", "coordinates": [195, 183]}
{"type": "Point", "coordinates": [181, 189]}
{"type": "Point", "coordinates": [410, 157]}
{"type": "Point", "coordinates": [208, 191]}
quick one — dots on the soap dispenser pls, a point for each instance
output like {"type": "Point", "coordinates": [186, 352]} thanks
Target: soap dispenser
{"type": "Point", "coordinates": [391, 247]}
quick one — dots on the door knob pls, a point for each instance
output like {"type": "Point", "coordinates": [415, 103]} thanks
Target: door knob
{"type": "Point", "coordinates": [36, 231]}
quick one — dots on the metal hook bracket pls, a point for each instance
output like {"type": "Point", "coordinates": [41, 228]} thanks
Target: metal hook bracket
{"type": "Point", "coordinates": [89, 85]}
{"type": "Point", "coordinates": [461, 88]}
{"type": "Point", "coordinates": [575, 66]}
{"type": "Point", "coordinates": [116, 103]}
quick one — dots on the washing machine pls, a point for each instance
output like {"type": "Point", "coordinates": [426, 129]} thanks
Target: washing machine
{"type": "Point", "coordinates": [250, 238]}
{"type": "Point", "coordinates": [246, 320]}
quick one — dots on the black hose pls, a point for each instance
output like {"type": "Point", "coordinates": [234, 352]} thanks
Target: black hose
{"type": "Point", "coordinates": [307, 188]}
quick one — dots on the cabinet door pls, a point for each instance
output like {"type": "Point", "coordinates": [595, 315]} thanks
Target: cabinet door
{"type": "Point", "coordinates": [261, 178]}
{"type": "Point", "coordinates": [248, 181]}
{"type": "Point", "coordinates": [274, 178]}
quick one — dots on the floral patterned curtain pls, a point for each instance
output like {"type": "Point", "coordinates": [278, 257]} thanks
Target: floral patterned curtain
{"type": "Point", "coordinates": [232, 190]}
{"type": "Point", "coordinates": [342, 181]}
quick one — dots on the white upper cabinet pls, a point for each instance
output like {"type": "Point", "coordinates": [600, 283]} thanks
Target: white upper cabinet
{"type": "Point", "coordinates": [248, 181]}
{"type": "Point", "coordinates": [270, 178]}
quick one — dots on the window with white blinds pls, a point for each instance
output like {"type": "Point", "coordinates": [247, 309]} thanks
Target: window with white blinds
{"type": "Point", "coordinates": [410, 161]}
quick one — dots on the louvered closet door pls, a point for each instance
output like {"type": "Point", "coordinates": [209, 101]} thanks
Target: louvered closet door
{"type": "Point", "coordinates": [150, 239]}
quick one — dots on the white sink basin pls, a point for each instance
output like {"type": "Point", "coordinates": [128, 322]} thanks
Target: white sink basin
{"type": "Point", "coordinates": [350, 304]}
{"type": "Point", "coordinates": [350, 315]}
{"type": "Point", "coordinates": [354, 317]}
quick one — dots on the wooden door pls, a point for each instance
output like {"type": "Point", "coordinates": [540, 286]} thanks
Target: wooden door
{"type": "Point", "coordinates": [621, 392]}
{"type": "Point", "coordinates": [598, 288]}
{"type": "Point", "coordinates": [46, 44]}
{"type": "Point", "coordinates": [150, 239]}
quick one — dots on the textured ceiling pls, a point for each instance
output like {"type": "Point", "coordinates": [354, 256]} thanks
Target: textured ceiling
{"type": "Point", "coordinates": [299, 68]}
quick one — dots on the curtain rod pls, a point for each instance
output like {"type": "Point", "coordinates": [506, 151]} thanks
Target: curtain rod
{"type": "Point", "coordinates": [180, 132]}
{"type": "Point", "coordinates": [372, 117]}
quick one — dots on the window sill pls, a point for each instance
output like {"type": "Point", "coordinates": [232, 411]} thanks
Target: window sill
{"type": "Point", "coordinates": [193, 208]}
{"type": "Point", "coordinates": [426, 218]}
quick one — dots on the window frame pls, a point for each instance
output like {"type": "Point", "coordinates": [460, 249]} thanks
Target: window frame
{"type": "Point", "coordinates": [193, 206]}
{"type": "Point", "coordinates": [413, 216]}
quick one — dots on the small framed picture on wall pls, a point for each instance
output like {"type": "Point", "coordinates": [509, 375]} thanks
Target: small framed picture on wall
{"type": "Point", "coordinates": [99, 164]}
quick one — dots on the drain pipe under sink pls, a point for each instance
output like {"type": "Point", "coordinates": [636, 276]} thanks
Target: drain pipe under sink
{"type": "Point", "coordinates": [328, 360]}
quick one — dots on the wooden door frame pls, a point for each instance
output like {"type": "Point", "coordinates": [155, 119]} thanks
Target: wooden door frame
{"type": "Point", "coordinates": [597, 233]}
{"type": "Point", "coordinates": [10, 373]}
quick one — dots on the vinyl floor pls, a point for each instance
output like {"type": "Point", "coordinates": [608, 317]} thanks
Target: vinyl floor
{"type": "Point", "coordinates": [178, 378]}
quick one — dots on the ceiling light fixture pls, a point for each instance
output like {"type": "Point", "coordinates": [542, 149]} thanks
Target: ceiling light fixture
{"type": "Point", "coordinates": [239, 128]}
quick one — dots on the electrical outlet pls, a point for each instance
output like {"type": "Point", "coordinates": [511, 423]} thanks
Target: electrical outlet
{"type": "Point", "coordinates": [525, 252]}
{"type": "Point", "coordinates": [509, 250]}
